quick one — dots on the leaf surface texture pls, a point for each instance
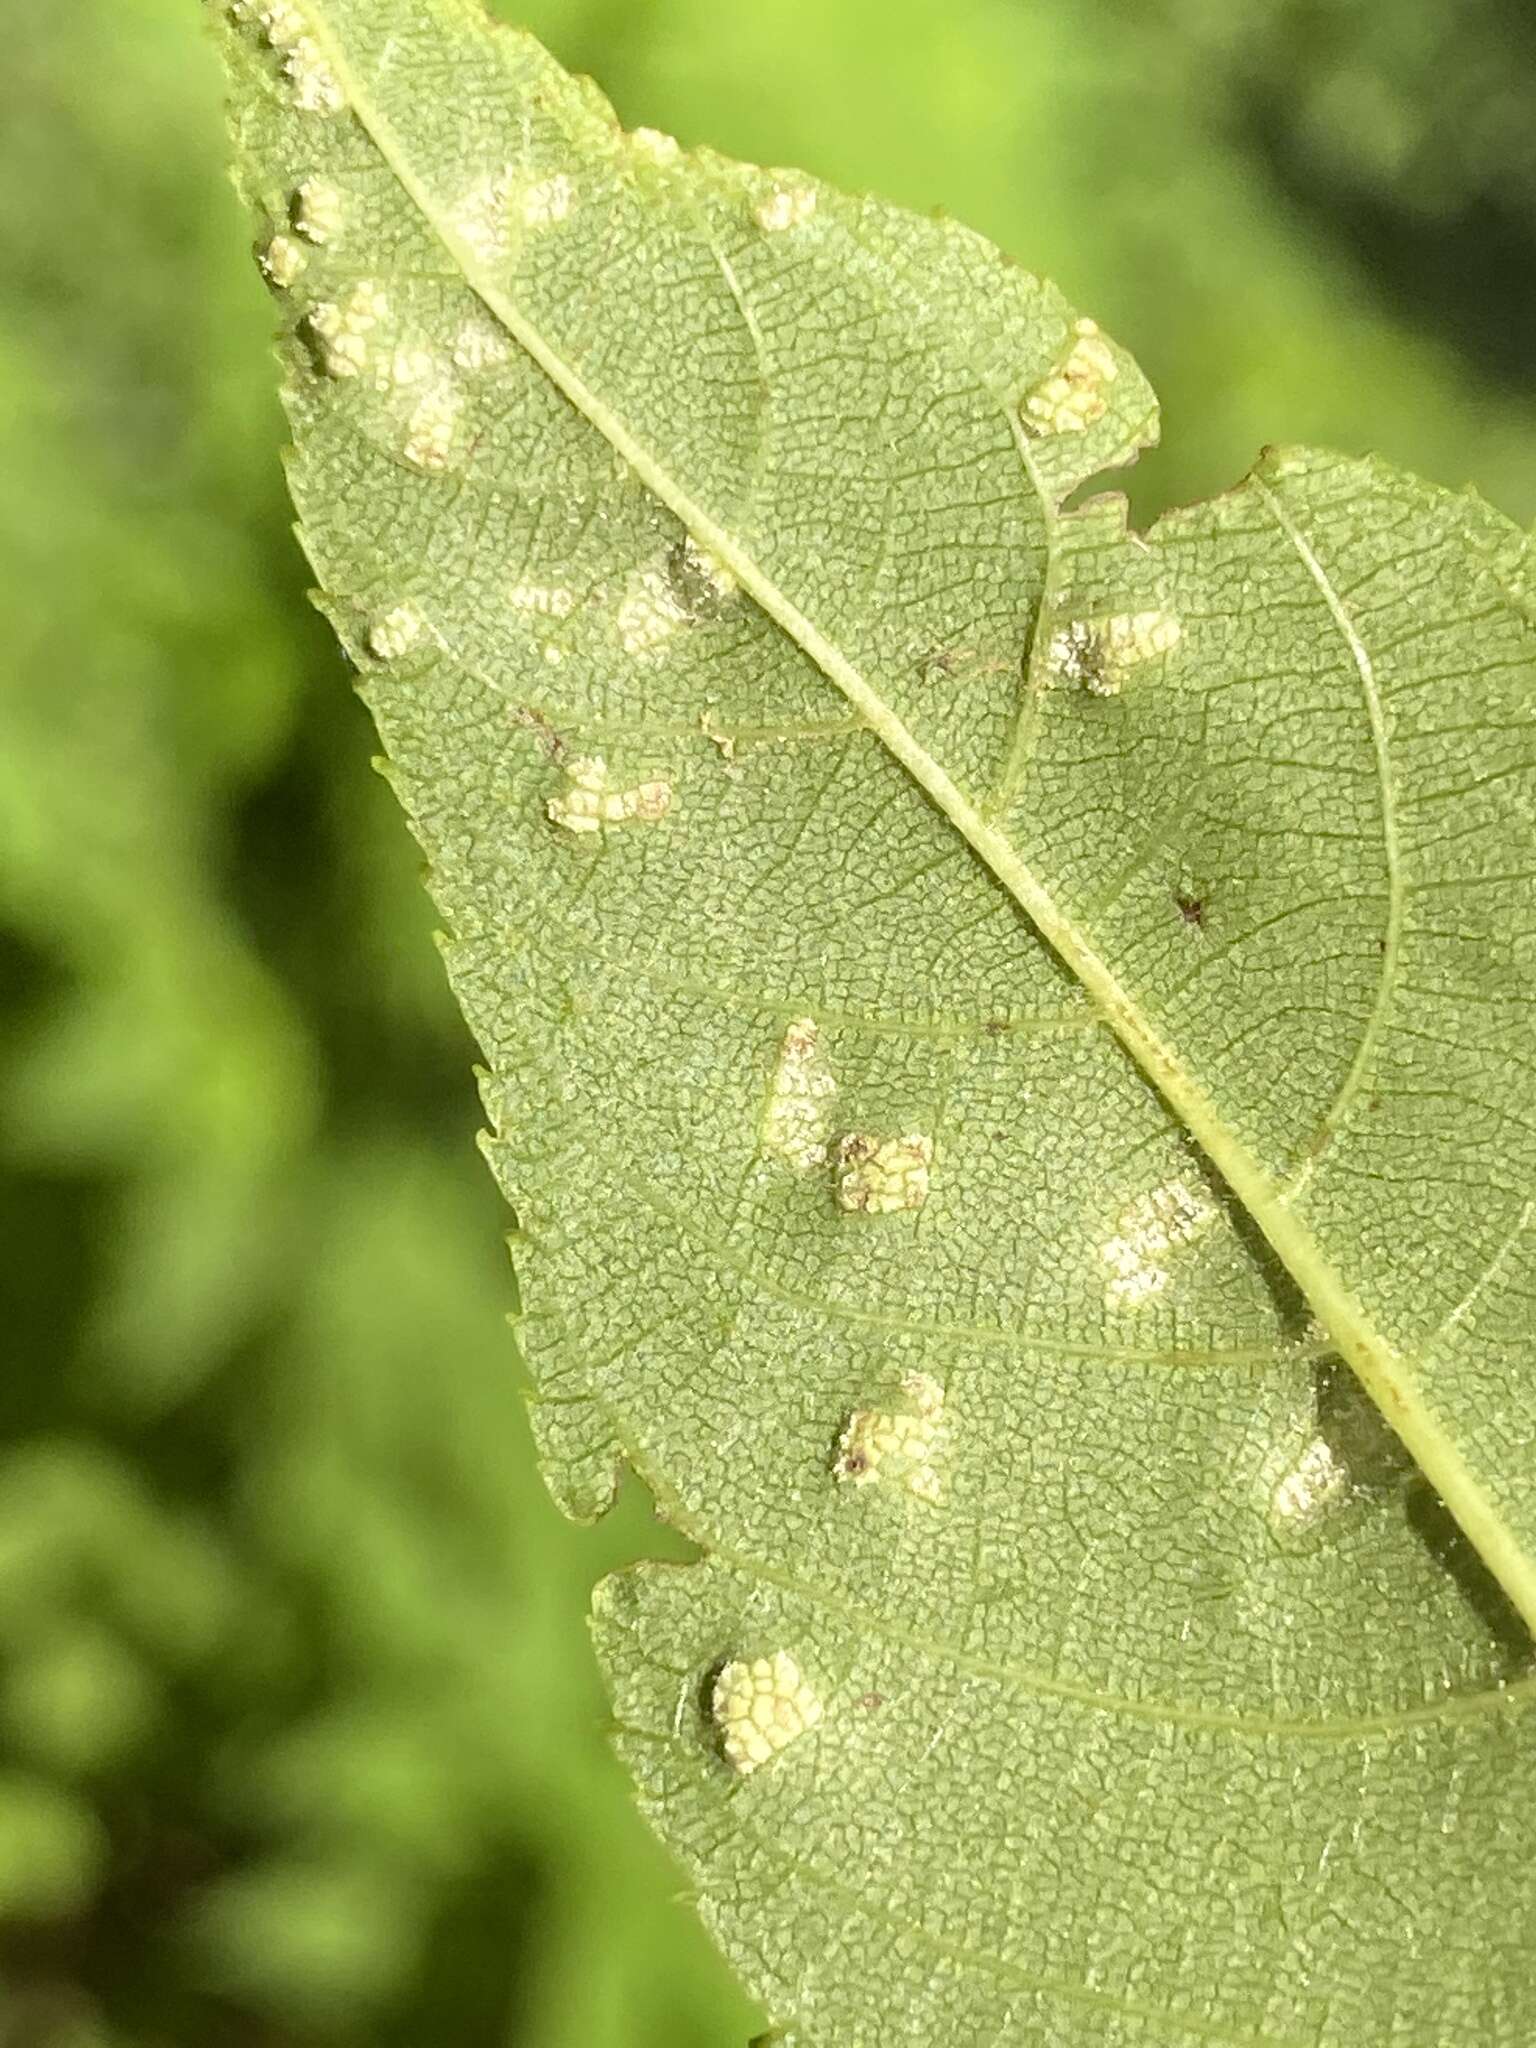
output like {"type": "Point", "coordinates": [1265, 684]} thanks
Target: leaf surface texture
{"type": "Point", "coordinates": [986, 1014]}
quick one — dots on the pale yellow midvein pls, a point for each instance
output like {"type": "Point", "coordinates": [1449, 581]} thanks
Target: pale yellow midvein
{"type": "Point", "coordinates": [1383, 1369]}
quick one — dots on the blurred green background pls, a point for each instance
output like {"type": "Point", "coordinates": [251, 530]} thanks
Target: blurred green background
{"type": "Point", "coordinates": [300, 1742]}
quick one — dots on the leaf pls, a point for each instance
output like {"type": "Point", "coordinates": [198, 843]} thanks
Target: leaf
{"type": "Point", "coordinates": [982, 1009]}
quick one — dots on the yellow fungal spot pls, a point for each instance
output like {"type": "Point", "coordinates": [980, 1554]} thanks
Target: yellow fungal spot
{"type": "Point", "coordinates": [317, 211]}
{"type": "Point", "coordinates": [283, 262]}
{"type": "Point", "coordinates": [590, 801]}
{"type": "Point", "coordinates": [548, 201]}
{"type": "Point", "coordinates": [650, 614]}
{"type": "Point", "coordinates": [902, 1445]}
{"type": "Point", "coordinates": [1101, 653]}
{"type": "Point", "coordinates": [480, 346]}
{"type": "Point", "coordinates": [342, 332]}
{"type": "Point", "coordinates": [786, 206]}
{"type": "Point", "coordinates": [543, 600]}
{"type": "Point", "coordinates": [1072, 397]}
{"type": "Point", "coordinates": [653, 143]}
{"type": "Point", "coordinates": [795, 1120]}
{"type": "Point", "coordinates": [878, 1176]}
{"type": "Point", "coordinates": [1318, 1481]}
{"type": "Point", "coordinates": [396, 633]}
{"type": "Point", "coordinates": [1147, 1232]}
{"type": "Point", "coordinates": [429, 437]}
{"type": "Point", "coordinates": [760, 1707]}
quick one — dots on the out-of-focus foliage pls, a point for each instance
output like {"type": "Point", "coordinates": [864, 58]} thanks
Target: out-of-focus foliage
{"type": "Point", "coordinates": [1406, 132]}
{"type": "Point", "coordinates": [300, 1745]}
{"type": "Point", "coordinates": [301, 1740]}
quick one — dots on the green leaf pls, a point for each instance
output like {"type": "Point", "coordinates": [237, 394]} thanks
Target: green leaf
{"type": "Point", "coordinates": [984, 1009]}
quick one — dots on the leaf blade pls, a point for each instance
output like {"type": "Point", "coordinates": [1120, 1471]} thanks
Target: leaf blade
{"type": "Point", "coordinates": [698, 1299]}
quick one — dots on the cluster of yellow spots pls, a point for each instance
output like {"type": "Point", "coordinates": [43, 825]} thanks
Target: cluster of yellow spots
{"type": "Point", "coordinates": [1147, 1232]}
{"type": "Point", "coordinates": [434, 425]}
{"type": "Point", "coordinates": [878, 1444]}
{"type": "Point", "coordinates": [795, 1119]}
{"type": "Point", "coordinates": [1072, 397]}
{"type": "Point", "coordinates": [1101, 653]}
{"type": "Point", "coordinates": [317, 211]}
{"type": "Point", "coordinates": [590, 801]}
{"type": "Point", "coordinates": [760, 1706]}
{"type": "Point", "coordinates": [786, 206]}
{"type": "Point", "coordinates": [395, 633]}
{"type": "Point", "coordinates": [1318, 1481]}
{"type": "Point", "coordinates": [282, 262]}
{"type": "Point", "coordinates": [650, 614]}
{"type": "Point", "coordinates": [316, 88]}
{"type": "Point", "coordinates": [343, 332]}
{"type": "Point", "coordinates": [879, 1176]}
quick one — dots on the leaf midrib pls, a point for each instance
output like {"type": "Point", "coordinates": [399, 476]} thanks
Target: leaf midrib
{"type": "Point", "coordinates": [1381, 1367]}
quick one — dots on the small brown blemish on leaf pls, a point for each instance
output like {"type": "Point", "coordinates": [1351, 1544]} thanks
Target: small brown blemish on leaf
{"type": "Point", "coordinates": [1190, 908]}
{"type": "Point", "coordinates": [536, 721]}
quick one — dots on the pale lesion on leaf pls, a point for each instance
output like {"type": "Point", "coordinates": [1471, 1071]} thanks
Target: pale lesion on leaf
{"type": "Point", "coordinates": [495, 213]}
{"type": "Point", "coordinates": [432, 432]}
{"type": "Point", "coordinates": [899, 1445]}
{"type": "Point", "coordinates": [1102, 653]}
{"type": "Point", "coordinates": [288, 30]}
{"type": "Point", "coordinates": [882, 1176]}
{"type": "Point", "coordinates": [342, 332]}
{"type": "Point", "coordinates": [1139, 1255]}
{"type": "Point", "coordinates": [760, 1705]}
{"type": "Point", "coordinates": [283, 262]}
{"type": "Point", "coordinates": [317, 211]}
{"type": "Point", "coordinates": [789, 203]}
{"type": "Point", "coordinates": [663, 598]}
{"type": "Point", "coordinates": [590, 799]}
{"type": "Point", "coordinates": [1072, 397]}
{"type": "Point", "coordinates": [795, 1118]}
{"type": "Point", "coordinates": [395, 632]}
{"type": "Point", "coordinates": [1308, 1490]}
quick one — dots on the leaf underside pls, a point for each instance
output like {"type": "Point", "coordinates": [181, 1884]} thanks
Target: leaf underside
{"type": "Point", "coordinates": [987, 1015]}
